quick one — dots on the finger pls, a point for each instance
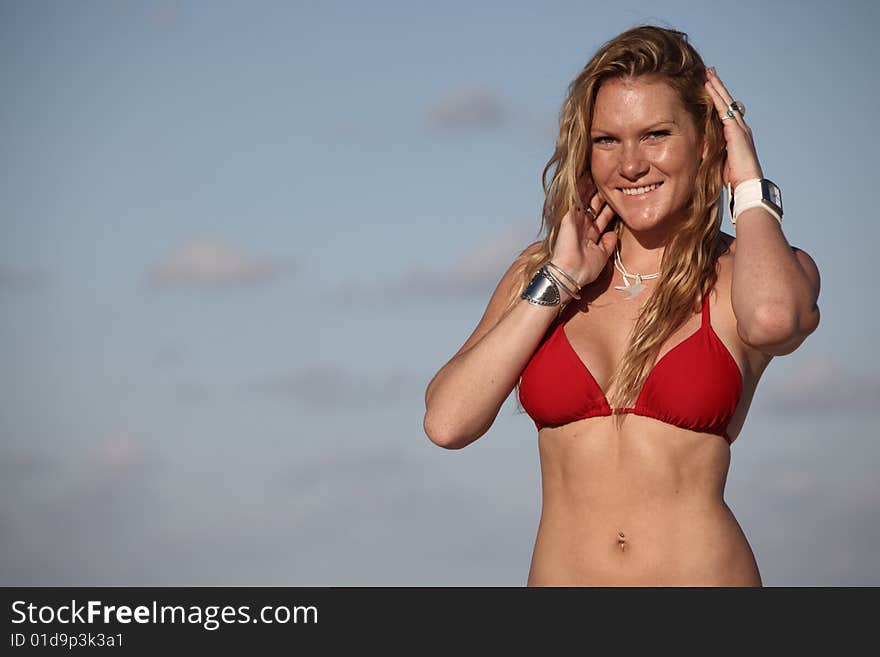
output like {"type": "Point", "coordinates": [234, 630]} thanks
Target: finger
{"type": "Point", "coordinates": [718, 87]}
{"type": "Point", "coordinates": [726, 96]}
{"type": "Point", "coordinates": [596, 203]}
{"type": "Point", "coordinates": [590, 212]}
{"type": "Point", "coordinates": [721, 106]}
{"type": "Point", "coordinates": [717, 100]}
{"type": "Point", "coordinates": [604, 219]}
{"type": "Point", "coordinates": [597, 208]}
{"type": "Point", "coordinates": [596, 228]}
{"type": "Point", "coordinates": [608, 243]}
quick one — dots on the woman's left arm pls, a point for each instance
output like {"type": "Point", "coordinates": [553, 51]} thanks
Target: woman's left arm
{"type": "Point", "coordinates": [775, 286]}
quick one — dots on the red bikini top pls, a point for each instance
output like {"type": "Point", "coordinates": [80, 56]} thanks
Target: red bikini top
{"type": "Point", "coordinates": [696, 385]}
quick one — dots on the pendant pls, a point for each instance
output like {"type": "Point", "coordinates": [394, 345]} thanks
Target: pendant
{"type": "Point", "coordinates": [634, 290]}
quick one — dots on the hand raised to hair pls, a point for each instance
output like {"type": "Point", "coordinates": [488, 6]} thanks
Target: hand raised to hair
{"type": "Point", "coordinates": [742, 158]}
{"type": "Point", "coordinates": [581, 250]}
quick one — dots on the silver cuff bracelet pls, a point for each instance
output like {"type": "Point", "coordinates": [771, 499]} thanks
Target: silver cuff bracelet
{"type": "Point", "coordinates": [542, 290]}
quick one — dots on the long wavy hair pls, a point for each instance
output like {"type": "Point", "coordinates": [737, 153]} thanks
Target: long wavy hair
{"type": "Point", "coordinates": [688, 266]}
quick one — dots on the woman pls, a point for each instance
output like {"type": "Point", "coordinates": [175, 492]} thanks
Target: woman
{"type": "Point", "coordinates": [636, 331]}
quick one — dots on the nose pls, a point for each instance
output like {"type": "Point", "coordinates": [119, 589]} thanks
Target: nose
{"type": "Point", "coordinates": [633, 164]}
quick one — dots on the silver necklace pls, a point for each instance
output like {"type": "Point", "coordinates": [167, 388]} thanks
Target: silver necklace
{"type": "Point", "coordinates": [633, 289]}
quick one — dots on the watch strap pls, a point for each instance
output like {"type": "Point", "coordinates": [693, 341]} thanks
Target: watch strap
{"type": "Point", "coordinates": [753, 193]}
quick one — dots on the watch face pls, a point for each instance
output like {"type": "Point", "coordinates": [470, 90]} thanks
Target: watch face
{"type": "Point", "coordinates": [771, 193]}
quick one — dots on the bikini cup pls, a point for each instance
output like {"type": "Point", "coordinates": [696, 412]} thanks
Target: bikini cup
{"type": "Point", "coordinates": [696, 385]}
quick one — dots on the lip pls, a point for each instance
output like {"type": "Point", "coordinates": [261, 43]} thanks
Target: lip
{"type": "Point", "coordinates": [639, 197]}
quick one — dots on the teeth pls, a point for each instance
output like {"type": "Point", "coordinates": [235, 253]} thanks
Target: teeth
{"type": "Point", "coordinates": [639, 190]}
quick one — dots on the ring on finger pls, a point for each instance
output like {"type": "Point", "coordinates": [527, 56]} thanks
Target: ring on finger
{"type": "Point", "coordinates": [590, 211]}
{"type": "Point", "coordinates": [735, 106]}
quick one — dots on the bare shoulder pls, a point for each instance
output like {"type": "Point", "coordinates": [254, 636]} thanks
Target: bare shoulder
{"type": "Point", "coordinates": [725, 260]}
{"type": "Point", "coordinates": [752, 361]}
{"type": "Point", "coordinates": [500, 298]}
{"type": "Point", "coordinates": [729, 241]}
{"type": "Point", "coordinates": [725, 267]}
{"type": "Point", "coordinates": [531, 249]}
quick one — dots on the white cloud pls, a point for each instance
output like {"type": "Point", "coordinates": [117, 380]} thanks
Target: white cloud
{"type": "Point", "coordinates": [205, 262]}
{"type": "Point", "coordinates": [466, 107]}
{"type": "Point", "coordinates": [475, 273]}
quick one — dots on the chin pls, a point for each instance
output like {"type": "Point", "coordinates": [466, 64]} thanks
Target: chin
{"type": "Point", "coordinates": [641, 224]}
{"type": "Point", "coordinates": [655, 218]}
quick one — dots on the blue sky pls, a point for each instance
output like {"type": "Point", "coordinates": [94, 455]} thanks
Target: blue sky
{"type": "Point", "coordinates": [240, 238]}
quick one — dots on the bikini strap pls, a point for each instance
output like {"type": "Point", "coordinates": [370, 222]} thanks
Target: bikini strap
{"type": "Point", "coordinates": [706, 319]}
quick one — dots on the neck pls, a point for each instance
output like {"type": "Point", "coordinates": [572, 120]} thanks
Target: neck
{"type": "Point", "coordinates": [641, 253]}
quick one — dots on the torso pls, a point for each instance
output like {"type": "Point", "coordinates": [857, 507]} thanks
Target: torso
{"type": "Point", "coordinates": [659, 485]}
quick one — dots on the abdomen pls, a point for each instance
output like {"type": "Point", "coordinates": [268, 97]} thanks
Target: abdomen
{"type": "Point", "coordinates": [695, 543]}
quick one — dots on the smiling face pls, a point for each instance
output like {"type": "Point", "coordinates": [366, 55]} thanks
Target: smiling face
{"type": "Point", "coordinates": [645, 151]}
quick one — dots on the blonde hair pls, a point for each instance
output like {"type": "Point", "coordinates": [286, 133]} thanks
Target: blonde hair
{"type": "Point", "coordinates": [687, 271]}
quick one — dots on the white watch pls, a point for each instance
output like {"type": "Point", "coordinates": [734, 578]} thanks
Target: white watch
{"type": "Point", "coordinates": [752, 193]}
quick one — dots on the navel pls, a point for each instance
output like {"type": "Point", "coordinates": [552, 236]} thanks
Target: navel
{"type": "Point", "coordinates": [621, 541]}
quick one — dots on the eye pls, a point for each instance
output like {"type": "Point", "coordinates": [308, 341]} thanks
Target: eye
{"type": "Point", "coordinates": [658, 134]}
{"type": "Point", "coordinates": [602, 140]}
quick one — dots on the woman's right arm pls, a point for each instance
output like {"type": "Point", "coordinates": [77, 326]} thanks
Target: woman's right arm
{"type": "Point", "coordinates": [464, 397]}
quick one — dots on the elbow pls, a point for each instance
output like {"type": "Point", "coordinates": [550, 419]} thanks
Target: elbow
{"type": "Point", "coordinates": [437, 431]}
{"type": "Point", "coordinates": [768, 324]}
{"type": "Point", "coordinates": [441, 436]}
{"type": "Point", "coordinates": [776, 330]}
{"type": "Point", "coordinates": [452, 435]}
